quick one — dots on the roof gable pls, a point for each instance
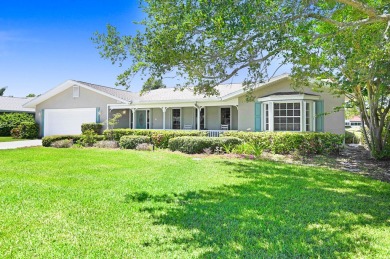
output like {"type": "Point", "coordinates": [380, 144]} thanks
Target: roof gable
{"type": "Point", "coordinates": [106, 91]}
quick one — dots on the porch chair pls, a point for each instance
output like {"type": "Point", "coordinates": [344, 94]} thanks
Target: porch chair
{"type": "Point", "coordinates": [224, 127]}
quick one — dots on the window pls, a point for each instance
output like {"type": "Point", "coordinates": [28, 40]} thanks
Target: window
{"type": "Point", "coordinates": [148, 119]}
{"type": "Point", "coordinates": [287, 117]}
{"type": "Point", "coordinates": [288, 113]}
{"type": "Point", "coordinates": [356, 123]}
{"type": "Point", "coordinates": [308, 117]}
{"type": "Point", "coordinates": [225, 116]}
{"type": "Point", "coordinates": [266, 117]}
{"type": "Point", "coordinates": [175, 118]}
{"type": "Point", "coordinates": [76, 91]}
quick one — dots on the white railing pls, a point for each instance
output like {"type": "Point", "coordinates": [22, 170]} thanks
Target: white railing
{"type": "Point", "coordinates": [215, 133]}
{"type": "Point", "coordinates": [210, 133]}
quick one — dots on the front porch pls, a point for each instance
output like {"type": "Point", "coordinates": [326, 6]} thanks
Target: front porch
{"type": "Point", "coordinates": [214, 119]}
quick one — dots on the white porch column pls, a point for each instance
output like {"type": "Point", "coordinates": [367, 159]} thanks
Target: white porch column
{"type": "Point", "coordinates": [231, 118]}
{"type": "Point", "coordinates": [108, 110]}
{"type": "Point", "coordinates": [134, 110]}
{"type": "Point", "coordinates": [164, 109]}
{"type": "Point", "coordinates": [198, 118]}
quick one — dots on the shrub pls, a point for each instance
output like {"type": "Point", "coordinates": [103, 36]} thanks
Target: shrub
{"type": "Point", "coordinates": [29, 130]}
{"type": "Point", "coordinates": [352, 137]}
{"type": "Point", "coordinates": [106, 144]}
{"type": "Point", "coordinates": [64, 143]}
{"type": "Point", "coordinates": [287, 142]}
{"type": "Point", "coordinates": [248, 149]}
{"type": "Point", "coordinates": [15, 132]}
{"type": "Point", "coordinates": [96, 127]}
{"type": "Point", "coordinates": [88, 138]}
{"type": "Point", "coordinates": [144, 147]}
{"type": "Point", "coordinates": [196, 145]}
{"type": "Point", "coordinates": [47, 141]}
{"type": "Point", "coordinates": [159, 138]}
{"type": "Point", "coordinates": [131, 142]}
{"type": "Point", "coordinates": [8, 121]}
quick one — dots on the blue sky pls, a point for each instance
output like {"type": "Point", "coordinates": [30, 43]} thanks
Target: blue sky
{"type": "Point", "coordinates": [44, 43]}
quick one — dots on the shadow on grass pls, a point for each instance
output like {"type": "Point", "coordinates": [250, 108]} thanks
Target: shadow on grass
{"type": "Point", "coordinates": [279, 211]}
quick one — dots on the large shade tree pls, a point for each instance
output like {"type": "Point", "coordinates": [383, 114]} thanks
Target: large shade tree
{"type": "Point", "coordinates": [2, 90]}
{"type": "Point", "coordinates": [342, 45]}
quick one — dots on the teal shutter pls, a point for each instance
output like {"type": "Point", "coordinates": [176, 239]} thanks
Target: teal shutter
{"type": "Point", "coordinates": [43, 122]}
{"type": "Point", "coordinates": [257, 116]}
{"type": "Point", "coordinates": [97, 114]}
{"type": "Point", "coordinates": [320, 116]}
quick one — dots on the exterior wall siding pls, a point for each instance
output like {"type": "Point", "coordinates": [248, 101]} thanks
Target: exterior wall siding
{"type": "Point", "coordinates": [65, 100]}
{"type": "Point", "coordinates": [157, 118]}
{"type": "Point", "coordinates": [243, 117]}
{"type": "Point", "coordinates": [333, 122]}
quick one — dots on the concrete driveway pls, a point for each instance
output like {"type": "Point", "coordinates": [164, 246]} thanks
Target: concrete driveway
{"type": "Point", "coordinates": [19, 144]}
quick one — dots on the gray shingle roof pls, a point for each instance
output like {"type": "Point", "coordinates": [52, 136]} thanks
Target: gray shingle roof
{"type": "Point", "coordinates": [14, 104]}
{"type": "Point", "coordinates": [164, 94]}
{"type": "Point", "coordinates": [122, 94]}
{"type": "Point", "coordinates": [172, 94]}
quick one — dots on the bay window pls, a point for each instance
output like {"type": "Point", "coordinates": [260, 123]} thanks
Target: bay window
{"type": "Point", "coordinates": [293, 112]}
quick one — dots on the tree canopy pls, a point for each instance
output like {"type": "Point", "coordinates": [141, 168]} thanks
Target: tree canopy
{"type": "Point", "coordinates": [2, 90]}
{"type": "Point", "coordinates": [342, 45]}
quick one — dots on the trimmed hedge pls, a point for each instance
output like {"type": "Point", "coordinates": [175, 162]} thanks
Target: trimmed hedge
{"type": "Point", "coordinates": [159, 138]}
{"type": "Point", "coordinates": [29, 130]}
{"type": "Point", "coordinates": [305, 143]}
{"type": "Point", "coordinates": [196, 145]}
{"type": "Point", "coordinates": [96, 127]}
{"type": "Point", "coordinates": [131, 142]}
{"type": "Point", "coordinates": [47, 141]}
{"type": "Point", "coordinates": [8, 121]}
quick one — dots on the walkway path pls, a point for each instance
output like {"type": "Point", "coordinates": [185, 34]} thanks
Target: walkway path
{"type": "Point", "coordinates": [18, 144]}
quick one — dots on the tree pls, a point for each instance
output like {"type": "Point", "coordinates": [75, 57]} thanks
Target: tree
{"type": "Point", "coordinates": [31, 95]}
{"type": "Point", "coordinates": [2, 90]}
{"type": "Point", "coordinates": [152, 84]}
{"type": "Point", "coordinates": [342, 44]}
{"type": "Point", "coordinates": [349, 51]}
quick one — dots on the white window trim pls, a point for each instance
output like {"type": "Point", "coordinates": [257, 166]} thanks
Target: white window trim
{"type": "Point", "coordinates": [302, 102]}
{"type": "Point", "coordinates": [220, 114]}
{"type": "Point", "coordinates": [76, 91]}
{"type": "Point", "coordinates": [181, 114]}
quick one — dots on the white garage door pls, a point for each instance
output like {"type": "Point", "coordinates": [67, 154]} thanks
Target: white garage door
{"type": "Point", "coordinates": [67, 121]}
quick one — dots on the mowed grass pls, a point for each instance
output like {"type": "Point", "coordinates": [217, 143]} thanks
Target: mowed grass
{"type": "Point", "coordinates": [94, 203]}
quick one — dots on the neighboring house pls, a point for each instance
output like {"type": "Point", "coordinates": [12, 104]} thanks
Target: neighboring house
{"type": "Point", "coordinates": [14, 104]}
{"type": "Point", "coordinates": [355, 121]}
{"type": "Point", "coordinates": [277, 107]}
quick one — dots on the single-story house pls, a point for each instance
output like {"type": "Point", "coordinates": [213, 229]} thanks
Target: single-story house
{"type": "Point", "coordinates": [355, 121]}
{"type": "Point", "coordinates": [15, 104]}
{"type": "Point", "coordinates": [276, 107]}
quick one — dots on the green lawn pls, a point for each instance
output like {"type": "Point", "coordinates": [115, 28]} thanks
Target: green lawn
{"type": "Point", "coordinates": [8, 139]}
{"type": "Point", "coordinates": [57, 203]}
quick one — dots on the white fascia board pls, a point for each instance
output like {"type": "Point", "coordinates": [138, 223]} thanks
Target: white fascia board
{"type": "Point", "coordinates": [242, 92]}
{"type": "Point", "coordinates": [62, 87]}
{"type": "Point", "coordinates": [50, 93]}
{"type": "Point", "coordinates": [288, 97]}
{"type": "Point", "coordinates": [173, 105]}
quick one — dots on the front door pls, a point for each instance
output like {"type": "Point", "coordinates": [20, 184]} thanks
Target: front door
{"type": "Point", "coordinates": [141, 119]}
